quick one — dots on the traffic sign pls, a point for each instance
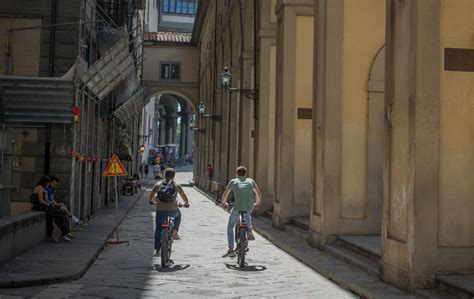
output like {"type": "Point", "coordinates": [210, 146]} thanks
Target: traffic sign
{"type": "Point", "coordinates": [115, 168]}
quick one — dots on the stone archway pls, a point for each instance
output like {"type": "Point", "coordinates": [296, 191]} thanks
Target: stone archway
{"type": "Point", "coordinates": [172, 120]}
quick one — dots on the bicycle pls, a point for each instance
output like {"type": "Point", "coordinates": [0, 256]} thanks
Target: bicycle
{"type": "Point", "coordinates": [167, 228]}
{"type": "Point", "coordinates": [241, 239]}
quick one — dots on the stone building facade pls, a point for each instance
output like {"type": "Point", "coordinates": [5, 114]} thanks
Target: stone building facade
{"type": "Point", "coordinates": [70, 97]}
{"type": "Point", "coordinates": [361, 130]}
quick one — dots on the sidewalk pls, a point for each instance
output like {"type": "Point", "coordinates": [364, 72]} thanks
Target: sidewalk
{"type": "Point", "coordinates": [347, 276]}
{"type": "Point", "coordinates": [51, 262]}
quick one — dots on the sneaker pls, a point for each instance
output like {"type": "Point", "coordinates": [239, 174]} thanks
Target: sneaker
{"type": "Point", "coordinates": [71, 235]}
{"type": "Point", "coordinates": [176, 236]}
{"type": "Point", "coordinates": [250, 236]}
{"type": "Point", "coordinates": [74, 219]}
{"type": "Point", "coordinates": [229, 253]}
{"type": "Point", "coordinates": [65, 239]}
{"type": "Point", "coordinates": [157, 253]}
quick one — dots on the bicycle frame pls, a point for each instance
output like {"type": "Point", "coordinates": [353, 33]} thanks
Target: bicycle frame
{"type": "Point", "coordinates": [166, 240]}
{"type": "Point", "coordinates": [241, 239]}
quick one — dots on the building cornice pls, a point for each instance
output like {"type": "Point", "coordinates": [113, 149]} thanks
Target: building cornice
{"type": "Point", "coordinates": [199, 21]}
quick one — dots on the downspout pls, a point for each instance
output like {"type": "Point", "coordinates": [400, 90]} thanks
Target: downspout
{"type": "Point", "coordinates": [76, 104]}
{"type": "Point", "coordinates": [52, 37]}
{"type": "Point", "coordinates": [256, 101]}
{"type": "Point", "coordinates": [197, 167]}
{"type": "Point", "coordinates": [229, 110]}
{"type": "Point", "coordinates": [52, 46]}
{"type": "Point", "coordinates": [241, 102]}
{"type": "Point", "coordinates": [214, 87]}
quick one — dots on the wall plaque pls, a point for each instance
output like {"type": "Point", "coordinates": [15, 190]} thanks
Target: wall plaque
{"type": "Point", "coordinates": [459, 60]}
{"type": "Point", "coordinates": [305, 113]}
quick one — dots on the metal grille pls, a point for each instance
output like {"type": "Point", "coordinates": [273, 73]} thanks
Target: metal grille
{"type": "Point", "coordinates": [131, 107]}
{"type": "Point", "coordinates": [116, 10]}
{"type": "Point", "coordinates": [36, 100]}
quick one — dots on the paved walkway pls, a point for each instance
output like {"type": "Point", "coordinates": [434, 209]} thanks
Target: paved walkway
{"type": "Point", "coordinates": [131, 271]}
{"type": "Point", "coordinates": [51, 262]}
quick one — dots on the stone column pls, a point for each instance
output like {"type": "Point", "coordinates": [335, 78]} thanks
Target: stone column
{"type": "Point", "coordinates": [174, 125]}
{"type": "Point", "coordinates": [189, 136]}
{"type": "Point", "coordinates": [293, 111]}
{"type": "Point", "coordinates": [233, 134]}
{"type": "Point", "coordinates": [162, 128]}
{"type": "Point", "coordinates": [168, 130]}
{"type": "Point", "coordinates": [182, 134]}
{"type": "Point", "coordinates": [347, 130]}
{"type": "Point", "coordinates": [428, 225]}
{"type": "Point", "coordinates": [265, 168]}
{"type": "Point", "coordinates": [247, 114]}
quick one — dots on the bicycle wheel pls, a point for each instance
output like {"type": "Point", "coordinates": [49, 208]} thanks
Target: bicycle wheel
{"type": "Point", "coordinates": [170, 238]}
{"type": "Point", "coordinates": [241, 248]}
{"type": "Point", "coordinates": [164, 248]}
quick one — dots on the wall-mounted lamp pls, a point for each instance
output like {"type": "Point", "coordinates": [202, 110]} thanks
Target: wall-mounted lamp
{"type": "Point", "coordinates": [202, 111]}
{"type": "Point", "coordinates": [141, 149]}
{"type": "Point", "coordinates": [226, 78]}
{"type": "Point", "coordinates": [202, 108]}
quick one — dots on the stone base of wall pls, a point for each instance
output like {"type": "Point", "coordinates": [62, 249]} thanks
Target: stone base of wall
{"type": "Point", "coordinates": [21, 232]}
{"type": "Point", "coordinates": [405, 280]}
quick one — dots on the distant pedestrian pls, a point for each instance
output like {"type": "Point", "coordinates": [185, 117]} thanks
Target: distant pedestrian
{"type": "Point", "coordinates": [146, 170]}
{"type": "Point", "coordinates": [210, 172]}
{"type": "Point", "coordinates": [141, 170]}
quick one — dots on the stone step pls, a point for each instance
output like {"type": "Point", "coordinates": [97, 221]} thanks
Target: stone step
{"type": "Point", "coordinates": [460, 285]}
{"type": "Point", "coordinates": [434, 294]}
{"type": "Point", "coordinates": [353, 258]}
{"type": "Point", "coordinates": [368, 246]}
{"type": "Point", "coordinates": [265, 217]}
{"type": "Point", "coordinates": [301, 222]}
{"type": "Point", "coordinates": [296, 232]}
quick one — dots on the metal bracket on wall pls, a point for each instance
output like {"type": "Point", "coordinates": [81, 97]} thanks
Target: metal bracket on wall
{"type": "Point", "coordinates": [248, 93]}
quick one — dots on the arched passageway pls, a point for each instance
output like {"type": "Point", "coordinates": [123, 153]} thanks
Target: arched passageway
{"type": "Point", "coordinates": [169, 119]}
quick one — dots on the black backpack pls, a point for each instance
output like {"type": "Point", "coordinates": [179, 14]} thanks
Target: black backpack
{"type": "Point", "coordinates": [167, 191]}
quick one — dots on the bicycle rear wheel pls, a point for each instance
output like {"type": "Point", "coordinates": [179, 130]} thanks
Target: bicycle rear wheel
{"type": "Point", "coordinates": [164, 248]}
{"type": "Point", "coordinates": [241, 248]}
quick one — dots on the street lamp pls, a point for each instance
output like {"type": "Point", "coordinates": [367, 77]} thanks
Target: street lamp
{"type": "Point", "coordinates": [226, 78]}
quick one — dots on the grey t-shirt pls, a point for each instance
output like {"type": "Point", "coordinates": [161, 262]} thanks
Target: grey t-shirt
{"type": "Point", "coordinates": [166, 206]}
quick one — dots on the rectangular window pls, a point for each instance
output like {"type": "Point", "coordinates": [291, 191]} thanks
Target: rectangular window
{"type": "Point", "coordinates": [170, 71]}
{"type": "Point", "coordinates": [179, 7]}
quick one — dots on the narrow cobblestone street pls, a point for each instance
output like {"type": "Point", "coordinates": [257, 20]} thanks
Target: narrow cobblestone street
{"type": "Point", "coordinates": [131, 271]}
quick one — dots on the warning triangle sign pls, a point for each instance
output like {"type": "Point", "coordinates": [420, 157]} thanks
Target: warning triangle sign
{"type": "Point", "coordinates": [115, 168]}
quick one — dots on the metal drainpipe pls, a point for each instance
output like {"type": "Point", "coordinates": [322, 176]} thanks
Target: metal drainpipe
{"type": "Point", "coordinates": [241, 98]}
{"type": "Point", "coordinates": [74, 126]}
{"type": "Point", "coordinates": [52, 37]}
{"type": "Point", "coordinates": [256, 101]}
{"type": "Point", "coordinates": [213, 123]}
{"type": "Point", "coordinates": [3, 212]}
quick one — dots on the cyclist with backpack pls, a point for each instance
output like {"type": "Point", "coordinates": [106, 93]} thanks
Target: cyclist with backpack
{"type": "Point", "coordinates": [244, 189]}
{"type": "Point", "coordinates": [164, 196]}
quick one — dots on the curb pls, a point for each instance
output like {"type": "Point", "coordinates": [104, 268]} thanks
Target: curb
{"type": "Point", "coordinates": [7, 282]}
{"type": "Point", "coordinates": [350, 278]}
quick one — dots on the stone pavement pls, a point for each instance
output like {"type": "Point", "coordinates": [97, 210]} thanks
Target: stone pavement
{"type": "Point", "coordinates": [58, 262]}
{"type": "Point", "coordinates": [199, 271]}
{"type": "Point", "coordinates": [352, 278]}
